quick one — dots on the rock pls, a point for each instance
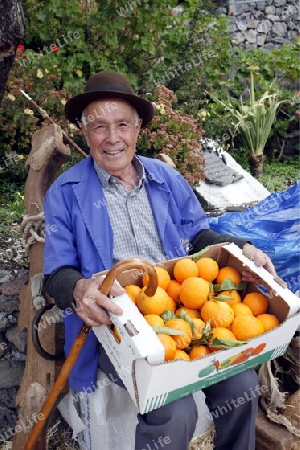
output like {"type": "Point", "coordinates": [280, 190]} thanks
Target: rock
{"type": "Point", "coordinates": [292, 34]}
{"type": "Point", "coordinates": [241, 8]}
{"type": "Point", "coordinates": [251, 36]}
{"type": "Point", "coordinates": [7, 397]}
{"type": "Point", "coordinates": [13, 287]}
{"type": "Point", "coordinates": [241, 25]}
{"type": "Point", "coordinates": [8, 420]}
{"type": "Point", "coordinates": [9, 304]}
{"type": "Point", "coordinates": [261, 39]}
{"type": "Point", "coordinates": [279, 40]}
{"type": "Point", "coordinates": [5, 276]}
{"type": "Point", "coordinates": [280, 28]}
{"type": "Point", "coordinates": [291, 10]}
{"type": "Point", "coordinates": [252, 23]}
{"type": "Point", "coordinates": [238, 38]}
{"type": "Point", "coordinates": [270, 10]}
{"type": "Point", "coordinates": [269, 47]}
{"type": "Point", "coordinates": [264, 27]}
{"type": "Point", "coordinates": [18, 338]}
{"type": "Point", "coordinates": [11, 373]}
{"type": "Point", "coordinates": [3, 321]}
{"type": "Point", "coordinates": [3, 346]}
{"type": "Point", "coordinates": [274, 18]}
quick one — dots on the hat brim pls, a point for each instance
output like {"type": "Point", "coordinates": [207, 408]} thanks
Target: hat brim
{"type": "Point", "coordinates": [75, 106]}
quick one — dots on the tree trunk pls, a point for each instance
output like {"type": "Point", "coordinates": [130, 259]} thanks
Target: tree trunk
{"type": "Point", "coordinates": [256, 163]}
{"type": "Point", "coordinates": [12, 30]}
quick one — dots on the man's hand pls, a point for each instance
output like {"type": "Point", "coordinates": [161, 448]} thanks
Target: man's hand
{"type": "Point", "coordinates": [92, 305]}
{"type": "Point", "coordinates": [260, 259]}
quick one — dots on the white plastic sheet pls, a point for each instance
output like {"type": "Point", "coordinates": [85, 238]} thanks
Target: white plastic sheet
{"type": "Point", "coordinates": [107, 418]}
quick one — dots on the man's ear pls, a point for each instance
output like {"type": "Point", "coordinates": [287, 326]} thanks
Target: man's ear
{"type": "Point", "coordinates": [139, 125]}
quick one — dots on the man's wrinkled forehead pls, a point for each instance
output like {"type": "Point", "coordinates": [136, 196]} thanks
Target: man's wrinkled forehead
{"type": "Point", "coordinates": [101, 109]}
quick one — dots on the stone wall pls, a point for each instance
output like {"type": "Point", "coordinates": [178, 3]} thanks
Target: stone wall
{"type": "Point", "coordinates": [263, 23]}
{"type": "Point", "coordinates": [13, 343]}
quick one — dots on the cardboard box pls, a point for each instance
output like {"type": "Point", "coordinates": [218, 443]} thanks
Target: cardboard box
{"type": "Point", "coordinates": [138, 358]}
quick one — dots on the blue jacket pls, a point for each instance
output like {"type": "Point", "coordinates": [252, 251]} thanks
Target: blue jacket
{"type": "Point", "coordinates": [78, 233]}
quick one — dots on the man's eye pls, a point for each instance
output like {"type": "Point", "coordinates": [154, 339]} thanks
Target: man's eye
{"type": "Point", "coordinates": [123, 125]}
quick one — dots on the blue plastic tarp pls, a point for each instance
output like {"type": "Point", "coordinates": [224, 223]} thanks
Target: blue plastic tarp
{"type": "Point", "coordinates": [272, 225]}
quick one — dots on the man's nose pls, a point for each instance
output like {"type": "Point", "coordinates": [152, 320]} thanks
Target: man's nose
{"type": "Point", "coordinates": [112, 134]}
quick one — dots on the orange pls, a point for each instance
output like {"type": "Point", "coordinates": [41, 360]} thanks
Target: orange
{"type": "Point", "coordinates": [192, 313]}
{"type": "Point", "coordinates": [199, 352]}
{"type": "Point", "coordinates": [163, 277]}
{"type": "Point", "coordinates": [152, 305]}
{"type": "Point", "coordinates": [173, 290]}
{"type": "Point", "coordinates": [154, 320]}
{"type": "Point", "coordinates": [257, 302]}
{"type": "Point", "coordinates": [218, 313]}
{"type": "Point", "coordinates": [207, 268]}
{"type": "Point", "coordinates": [169, 346]}
{"type": "Point", "coordinates": [185, 268]}
{"type": "Point", "coordinates": [221, 333]}
{"type": "Point", "coordinates": [171, 306]}
{"type": "Point", "coordinates": [235, 297]}
{"type": "Point", "coordinates": [180, 354]}
{"type": "Point", "coordinates": [181, 325]}
{"type": "Point", "coordinates": [194, 292]}
{"type": "Point", "coordinates": [198, 328]}
{"type": "Point", "coordinates": [228, 272]}
{"type": "Point", "coordinates": [132, 291]}
{"type": "Point", "coordinates": [246, 327]}
{"type": "Point", "coordinates": [240, 309]}
{"type": "Point", "coordinates": [269, 321]}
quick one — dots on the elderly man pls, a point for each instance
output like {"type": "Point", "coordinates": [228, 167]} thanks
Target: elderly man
{"type": "Point", "coordinates": [116, 205]}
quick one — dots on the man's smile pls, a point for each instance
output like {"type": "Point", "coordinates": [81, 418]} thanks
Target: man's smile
{"type": "Point", "coordinates": [112, 152]}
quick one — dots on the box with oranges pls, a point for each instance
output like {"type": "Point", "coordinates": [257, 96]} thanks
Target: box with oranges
{"type": "Point", "coordinates": [199, 327]}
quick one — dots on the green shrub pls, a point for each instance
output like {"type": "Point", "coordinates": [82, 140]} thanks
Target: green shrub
{"type": "Point", "coordinates": [174, 134]}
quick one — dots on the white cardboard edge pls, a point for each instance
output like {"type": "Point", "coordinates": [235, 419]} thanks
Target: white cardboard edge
{"type": "Point", "coordinates": [145, 341]}
{"type": "Point", "coordinates": [267, 278]}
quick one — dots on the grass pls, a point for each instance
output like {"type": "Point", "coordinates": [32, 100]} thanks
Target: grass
{"type": "Point", "coordinates": [281, 174]}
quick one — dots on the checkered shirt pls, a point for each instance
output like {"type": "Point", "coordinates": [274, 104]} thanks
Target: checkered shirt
{"type": "Point", "coordinates": [134, 229]}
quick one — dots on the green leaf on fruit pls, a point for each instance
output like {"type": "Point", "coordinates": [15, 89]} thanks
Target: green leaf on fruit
{"type": "Point", "coordinates": [198, 255]}
{"type": "Point", "coordinates": [169, 331]}
{"type": "Point", "coordinates": [168, 315]}
{"type": "Point", "coordinates": [228, 285]}
{"type": "Point", "coordinates": [225, 343]}
{"type": "Point", "coordinates": [184, 315]}
{"type": "Point", "coordinates": [223, 298]}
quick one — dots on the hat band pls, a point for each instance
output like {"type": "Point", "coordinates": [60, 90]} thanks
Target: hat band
{"type": "Point", "coordinates": [110, 88]}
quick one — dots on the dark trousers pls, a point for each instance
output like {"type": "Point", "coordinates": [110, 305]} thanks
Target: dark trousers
{"type": "Point", "coordinates": [233, 409]}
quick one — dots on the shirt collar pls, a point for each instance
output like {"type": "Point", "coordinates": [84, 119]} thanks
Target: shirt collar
{"type": "Point", "coordinates": [106, 177]}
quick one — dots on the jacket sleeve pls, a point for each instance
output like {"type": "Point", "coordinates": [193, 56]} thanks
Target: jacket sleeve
{"type": "Point", "coordinates": [60, 285]}
{"type": "Point", "coordinates": [61, 265]}
{"type": "Point", "coordinates": [60, 246]}
{"type": "Point", "coordinates": [210, 237]}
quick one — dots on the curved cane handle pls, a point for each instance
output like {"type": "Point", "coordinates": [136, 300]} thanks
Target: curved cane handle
{"type": "Point", "coordinates": [127, 264]}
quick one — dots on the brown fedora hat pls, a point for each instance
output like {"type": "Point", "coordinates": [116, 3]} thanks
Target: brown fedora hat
{"type": "Point", "coordinates": [107, 84]}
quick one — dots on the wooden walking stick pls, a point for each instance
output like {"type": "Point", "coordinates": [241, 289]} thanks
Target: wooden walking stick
{"type": "Point", "coordinates": [59, 384]}
{"type": "Point", "coordinates": [45, 115]}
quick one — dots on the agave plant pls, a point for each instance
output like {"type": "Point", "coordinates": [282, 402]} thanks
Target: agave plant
{"type": "Point", "coordinates": [254, 122]}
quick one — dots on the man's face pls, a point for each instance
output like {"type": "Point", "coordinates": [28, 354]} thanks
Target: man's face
{"type": "Point", "coordinates": [111, 129]}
